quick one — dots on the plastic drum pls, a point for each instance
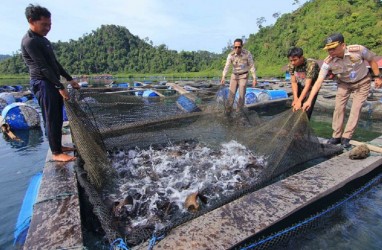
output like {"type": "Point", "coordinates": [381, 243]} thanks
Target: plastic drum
{"type": "Point", "coordinates": [277, 94]}
{"type": "Point", "coordinates": [262, 95]}
{"type": "Point", "coordinates": [6, 99]}
{"type": "Point", "coordinates": [149, 93]}
{"type": "Point", "coordinates": [21, 116]}
{"type": "Point", "coordinates": [250, 98]}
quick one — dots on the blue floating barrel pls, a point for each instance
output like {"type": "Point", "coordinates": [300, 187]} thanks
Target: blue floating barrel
{"type": "Point", "coordinates": [149, 93]}
{"type": "Point", "coordinates": [5, 99]}
{"type": "Point", "coordinates": [123, 85]}
{"type": "Point", "coordinates": [261, 95]}
{"type": "Point", "coordinates": [250, 98]}
{"type": "Point", "coordinates": [20, 116]}
{"type": "Point", "coordinates": [137, 84]}
{"type": "Point", "coordinates": [277, 94]}
{"type": "Point", "coordinates": [222, 95]}
{"type": "Point", "coordinates": [21, 99]}
{"type": "Point", "coordinates": [186, 104]}
{"type": "Point", "coordinates": [18, 88]}
{"type": "Point", "coordinates": [139, 92]}
{"type": "Point", "coordinates": [25, 214]}
{"type": "Point", "coordinates": [83, 84]}
{"type": "Point", "coordinates": [9, 88]}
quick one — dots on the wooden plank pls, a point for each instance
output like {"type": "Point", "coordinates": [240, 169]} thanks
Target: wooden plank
{"type": "Point", "coordinates": [371, 147]}
{"type": "Point", "coordinates": [135, 90]}
{"type": "Point", "coordinates": [56, 221]}
{"type": "Point", "coordinates": [255, 212]}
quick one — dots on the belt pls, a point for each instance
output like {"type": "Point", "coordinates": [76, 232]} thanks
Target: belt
{"type": "Point", "coordinates": [238, 74]}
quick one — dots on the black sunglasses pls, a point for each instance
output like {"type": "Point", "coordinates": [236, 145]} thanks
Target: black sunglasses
{"type": "Point", "coordinates": [237, 47]}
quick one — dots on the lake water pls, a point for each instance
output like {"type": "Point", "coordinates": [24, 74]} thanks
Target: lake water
{"type": "Point", "coordinates": [356, 225]}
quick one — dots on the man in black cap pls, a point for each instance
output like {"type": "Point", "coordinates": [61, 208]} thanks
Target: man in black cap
{"type": "Point", "coordinates": [347, 63]}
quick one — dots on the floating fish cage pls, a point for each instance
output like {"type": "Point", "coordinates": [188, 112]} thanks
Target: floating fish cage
{"type": "Point", "coordinates": [149, 166]}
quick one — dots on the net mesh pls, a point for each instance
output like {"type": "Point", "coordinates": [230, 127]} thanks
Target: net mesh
{"type": "Point", "coordinates": [155, 165]}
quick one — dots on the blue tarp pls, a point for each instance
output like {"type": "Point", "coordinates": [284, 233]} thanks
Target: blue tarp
{"type": "Point", "coordinates": [25, 214]}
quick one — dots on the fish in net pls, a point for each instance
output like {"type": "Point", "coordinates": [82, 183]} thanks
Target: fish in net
{"type": "Point", "coordinates": [147, 158]}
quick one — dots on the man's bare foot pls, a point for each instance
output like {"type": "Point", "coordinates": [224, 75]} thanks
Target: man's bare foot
{"type": "Point", "coordinates": [67, 149]}
{"type": "Point", "coordinates": [63, 157]}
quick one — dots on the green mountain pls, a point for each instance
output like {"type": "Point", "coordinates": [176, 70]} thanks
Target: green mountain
{"type": "Point", "coordinates": [113, 49]}
{"type": "Point", "coordinates": [360, 21]}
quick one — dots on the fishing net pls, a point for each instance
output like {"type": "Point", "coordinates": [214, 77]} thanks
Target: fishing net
{"type": "Point", "coordinates": [154, 165]}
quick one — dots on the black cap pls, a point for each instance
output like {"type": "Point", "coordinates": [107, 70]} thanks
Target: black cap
{"type": "Point", "coordinates": [333, 41]}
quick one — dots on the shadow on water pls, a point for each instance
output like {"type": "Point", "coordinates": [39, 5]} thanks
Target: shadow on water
{"type": "Point", "coordinates": [27, 138]}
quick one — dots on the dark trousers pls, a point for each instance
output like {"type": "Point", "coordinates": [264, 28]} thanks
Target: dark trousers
{"type": "Point", "coordinates": [51, 103]}
{"type": "Point", "coordinates": [310, 110]}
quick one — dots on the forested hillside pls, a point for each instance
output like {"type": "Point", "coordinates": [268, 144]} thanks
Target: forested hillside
{"type": "Point", "coordinates": [360, 21]}
{"type": "Point", "coordinates": [113, 49]}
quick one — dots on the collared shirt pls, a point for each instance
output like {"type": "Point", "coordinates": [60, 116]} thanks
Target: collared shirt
{"type": "Point", "coordinates": [351, 68]}
{"type": "Point", "coordinates": [309, 69]}
{"type": "Point", "coordinates": [241, 63]}
{"type": "Point", "coordinates": [38, 54]}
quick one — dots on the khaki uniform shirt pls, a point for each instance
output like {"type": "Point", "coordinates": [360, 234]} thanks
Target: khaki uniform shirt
{"type": "Point", "coordinates": [351, 68]}
{"type": "Point", "coordinates": [241, 63]}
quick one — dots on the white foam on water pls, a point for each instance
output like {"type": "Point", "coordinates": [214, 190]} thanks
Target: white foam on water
{"type": "Point", "coordinates": [159, 181]}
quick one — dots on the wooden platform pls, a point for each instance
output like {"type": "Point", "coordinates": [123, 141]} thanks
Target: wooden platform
{"type": "Point", "coordinates": [56, 222]}
{"type": "Point", "coordinates": [255, 212]}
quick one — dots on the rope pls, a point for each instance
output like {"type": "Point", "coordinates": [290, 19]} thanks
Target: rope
{"type": "Point", "coordinates": [61, 196]}
{"type": "Point", "coordinates": [119, 243]}
{"type": "Point", "coordinates": [154, 240]}
{"type": "Point", "coordinates": [330, 209]}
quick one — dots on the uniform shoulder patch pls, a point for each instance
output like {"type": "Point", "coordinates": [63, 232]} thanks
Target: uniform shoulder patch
{"type": "Point", "coordinates": [328, 59]}
{"type": "Point", "coordinates": [354, 48]}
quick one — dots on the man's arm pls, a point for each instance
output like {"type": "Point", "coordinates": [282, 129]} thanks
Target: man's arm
{"type": "Point", "coordinates": [317, 85]}
{"type": "Point", "coordinates": [63, 72]}
{"type": "Point", "coordinates": [310, 75]}
{"type": "Point", "coordinates": [33, 49]}
{"type": "Point", "coordinates": [252, 69]}
{"type": "Point", "coordinates": [374, 67]}
{"type": "Point", "coordinates": [305, 90]}
{"type": "Point", "coordinates": [313, 93]}
{"type": "Point", "coordinates": [226, 68]}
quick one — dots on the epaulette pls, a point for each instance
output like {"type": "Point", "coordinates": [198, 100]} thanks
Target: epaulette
{"type": "Point", "coordinates": [328, 59]}
{"type": "Point", "coordinates": [354, 48]}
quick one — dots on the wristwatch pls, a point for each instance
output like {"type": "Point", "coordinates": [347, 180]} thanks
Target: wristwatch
{"type": "Point", "coordinates": [377, 76]}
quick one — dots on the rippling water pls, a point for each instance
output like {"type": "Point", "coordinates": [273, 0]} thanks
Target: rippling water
{"type": "Point", "coordinates": [19, 162]}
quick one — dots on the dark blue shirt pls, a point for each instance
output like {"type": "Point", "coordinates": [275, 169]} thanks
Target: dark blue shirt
{"type": "Point", "coordinates": [38, 54]}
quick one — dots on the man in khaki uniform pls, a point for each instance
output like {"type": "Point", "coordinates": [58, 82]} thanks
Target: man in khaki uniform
{"type": "Point", "coordinates": [242, 63]}
{"type": "Point", "coordinates": [348, 64]}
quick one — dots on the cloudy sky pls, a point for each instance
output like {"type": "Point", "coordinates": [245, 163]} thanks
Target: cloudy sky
{"type": "Point", "coordinates": [180, 24]}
